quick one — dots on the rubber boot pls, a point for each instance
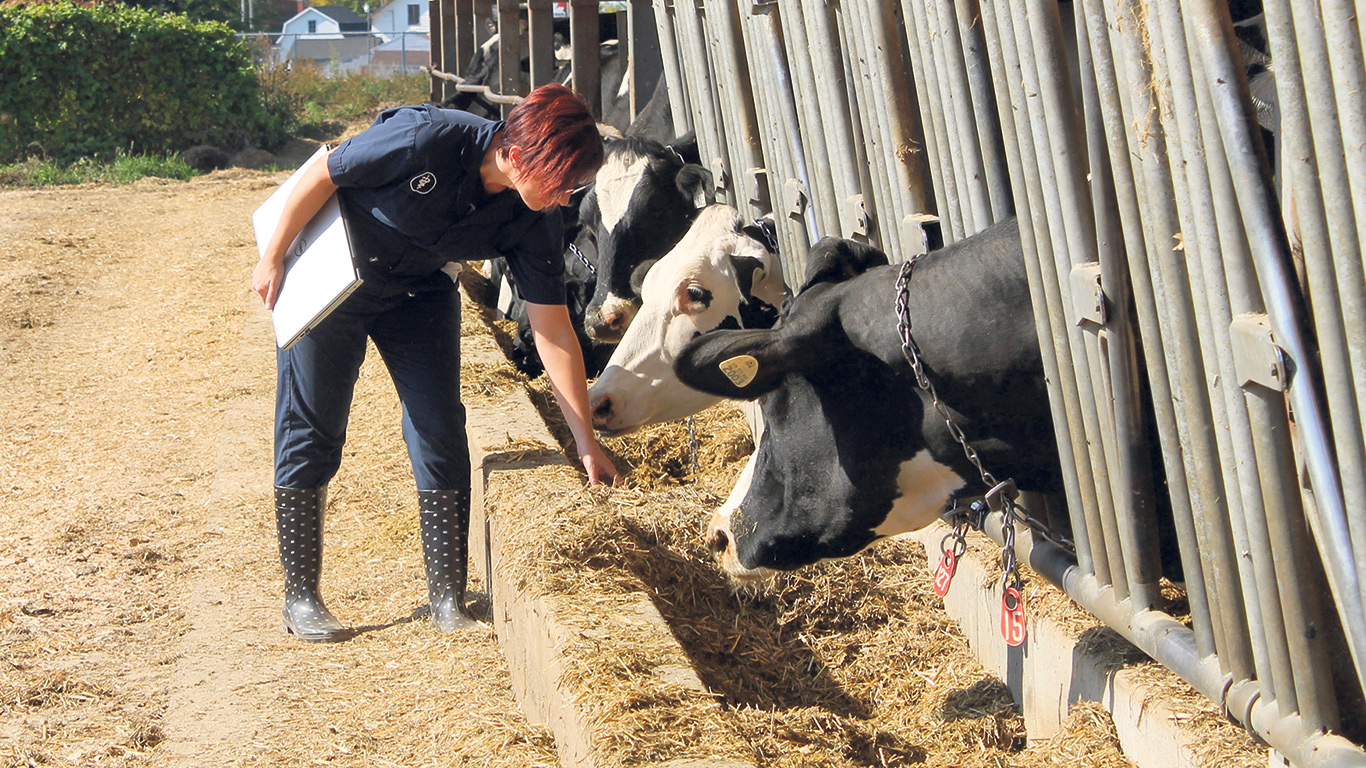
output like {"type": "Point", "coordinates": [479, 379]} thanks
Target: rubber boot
{"type": "Point", "coordinates": [445, 517]}
{"type": "Point", "coordinates": [299, 526]}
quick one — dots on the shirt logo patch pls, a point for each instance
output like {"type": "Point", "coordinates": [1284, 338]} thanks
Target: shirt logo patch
{"type": "Point", "coordinates": [423, 183]}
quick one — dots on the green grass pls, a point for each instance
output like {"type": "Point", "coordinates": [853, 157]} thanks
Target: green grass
{"type": "Point", "coordinates": [325, 105]}
{"type": "Point", "coordinates": [322, 108]}
{"type": "Point", "coordinates": [122, 169]}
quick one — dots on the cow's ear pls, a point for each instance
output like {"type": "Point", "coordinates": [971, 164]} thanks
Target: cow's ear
{"type": "Point", "coordinates": [696, 184]}
{"type": "Point", "coordinates": [638, 275]}
{"type": "Point", "coordinates": [748, 271]}
{"type": "Point", "coordinates": [740, 365]}
{"type": "Point", "coordinates": [685, 147]}
{"type": "Point", "coordinates": [834, 260]}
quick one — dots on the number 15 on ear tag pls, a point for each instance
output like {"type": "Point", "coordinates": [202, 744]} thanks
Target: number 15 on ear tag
{"type": "Point", "coordinates": [943, 575]}
{"type": "Point", "coordinates": [1012, 617]}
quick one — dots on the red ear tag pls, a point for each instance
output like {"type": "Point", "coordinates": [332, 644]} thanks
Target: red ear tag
{"type": "Point", "coordinates": [1012, 617]}
{"type": "Point", "coordinates": [943, 575]}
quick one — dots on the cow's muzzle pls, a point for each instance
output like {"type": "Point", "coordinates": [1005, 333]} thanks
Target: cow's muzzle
{"type": "Point", "coordinates": [605, 418]}
{"type": "Point", "coordinates": [609, 323]}
{"type": "Point", "coordinates": [721, 541]}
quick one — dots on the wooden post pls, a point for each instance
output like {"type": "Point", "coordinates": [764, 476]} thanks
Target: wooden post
{"type": "Point", "coordinates": [438, 89]}
{"type": "Point", "coordinates": [646, 64]}
{"type": "Point", "coordinates": [541, 40]}
{"type": "Point", "coordinates": [585, 43]}
{"type": "Point", "coordinates": [509, 52]}
{"type": "Point", "coordinates": [464, 35]}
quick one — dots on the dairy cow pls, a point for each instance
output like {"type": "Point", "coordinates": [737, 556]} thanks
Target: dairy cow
{"type": "Point", "coordinates": [852, 449]}
{"type": "Point", "coordinates": [720, 275]}
{"type": "Point", "coordinates": [642, 203]}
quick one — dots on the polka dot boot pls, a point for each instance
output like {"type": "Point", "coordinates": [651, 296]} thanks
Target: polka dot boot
{"type": "Point", "coordinates": [299, 527]}
{"type": "Point", "coordinates": [445, 517]}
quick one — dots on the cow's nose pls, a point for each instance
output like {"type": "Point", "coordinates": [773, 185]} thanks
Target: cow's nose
{"type": "Point", "coordinates": [615, 320]}
{"type": "Point", "coordinates": [601, 407]}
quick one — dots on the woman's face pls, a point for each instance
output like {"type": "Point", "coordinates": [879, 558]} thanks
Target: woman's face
{"type": "Point", "coordinates": [534, 192]}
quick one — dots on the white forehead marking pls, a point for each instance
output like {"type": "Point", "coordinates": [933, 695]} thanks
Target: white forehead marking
{"type": "Point", "coordinates": [615, 184]}
{"type": "Point", "coordinates": [925, 485]}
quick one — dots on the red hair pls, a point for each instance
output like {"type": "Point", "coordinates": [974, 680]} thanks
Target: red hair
{"type": "Point", "coordinates": [557, 137]}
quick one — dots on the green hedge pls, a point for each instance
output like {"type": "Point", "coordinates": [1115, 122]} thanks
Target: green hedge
{"type": "Point", "coordinates": [89, 81]}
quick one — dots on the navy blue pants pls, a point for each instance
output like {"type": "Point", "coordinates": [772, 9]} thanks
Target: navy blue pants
{"type": "Point", "coordinates": [418, 336]}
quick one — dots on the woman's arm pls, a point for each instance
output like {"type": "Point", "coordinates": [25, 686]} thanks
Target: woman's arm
{"type": "Point", "coordinates": [558, 346]}
{"type": "Point", "coordinates": [305, 200]}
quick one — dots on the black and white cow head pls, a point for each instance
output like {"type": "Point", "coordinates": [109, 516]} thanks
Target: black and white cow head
{"type": "Point", "coordinates": [642, 203]}
{"type": "Point", "coordinates": [720, 275]}
{"type": "Point", "coordinates": [852, 450]}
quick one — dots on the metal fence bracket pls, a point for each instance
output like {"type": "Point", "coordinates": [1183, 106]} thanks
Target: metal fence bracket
{"type": "Point", "coordinates": [1088, 297]}
{"type": "Point", "coordinates": [1256, 356]}
{"type": "Point", "coordinates": [857, 220]}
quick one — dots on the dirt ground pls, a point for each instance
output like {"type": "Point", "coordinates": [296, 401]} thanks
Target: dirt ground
{"type": "Point", "coordinates": [139, 579]}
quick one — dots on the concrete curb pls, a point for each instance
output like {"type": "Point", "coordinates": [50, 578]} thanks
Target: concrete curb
{"type": "Point", "coordinates": [1051, 671]}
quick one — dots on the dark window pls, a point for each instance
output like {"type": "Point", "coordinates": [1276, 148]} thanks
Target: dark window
{"type": "Point", "coordinates": [312, 27]}
{"type": "Point", "coordinates": [414, 15]}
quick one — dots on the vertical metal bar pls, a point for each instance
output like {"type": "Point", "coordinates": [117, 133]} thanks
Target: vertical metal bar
{"type": "Point", "coordinates": [1336, 315]}
{"type": "Point", "coordinates": [1056, 260]}
{"type": "Point", "coordinates": [951, 206]}
{"type": "Point", "coordinates": [767, 46]}
{"type": "Point", "coordinates": [821, 186]}
{"type": "Point", "coordinates": [742, 131]}
{"type": "Point", "coordinates": [774, 158]}
{"type": "Point", "coordinates": [677, 83]}
{"type": "Point", "coordinates": [1128, 481]}
{"type": "Point", "coordinates": [870, 110]}
{"type": "Point", "coordinates": [910, 169]}
{"type": "Point", "coordinates": [984, 108]}
{"type": "Point", "coordinates": [1111, 112]}
{"type": "Point", "coordinates": [928, 148]}
{"type": "Point", "coordinates": [1049, 312]}
{"type": "Point", "coordinates": [938, 59]}
{"type": "Point", "coordinates": [585, 45]}
{"type": "Point", "coordinates": [830, 84]}
{"type": "Point", "coordinates": [1325, 55]}
{"type": "Point", "coordinates": [964, 122]}
{"type": "Point", "coordinates": [1228, 88]}
{"type": "Point", "coordinates": [1183, 353]}
{"type": "Point", "coordinates": [1204, 242]}
{"type": "Point", "coordinates": [693, 43]}
{"type": "Point", "coordinates": [1208, 236]}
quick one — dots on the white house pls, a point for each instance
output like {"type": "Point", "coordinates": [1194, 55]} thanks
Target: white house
{"type": "Point", "coordinates": [324, 32]}
{"type": "Point", "coordinates": [398, 17]}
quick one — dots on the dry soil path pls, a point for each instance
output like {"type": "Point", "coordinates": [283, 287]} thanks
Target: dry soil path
{"type": "Point", "coordinates": [138, 573]}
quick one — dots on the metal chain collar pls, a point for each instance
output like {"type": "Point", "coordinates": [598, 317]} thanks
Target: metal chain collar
{"type": "Point", "coordinates": [1000, 495]}
{"type": "Point", "coordinates": [692, 447]}
{"type": "Point", "coordinates": [592, 270]}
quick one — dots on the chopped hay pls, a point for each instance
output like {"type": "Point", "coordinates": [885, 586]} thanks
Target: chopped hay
{"type": "Point", "coordinates": [847, 663]}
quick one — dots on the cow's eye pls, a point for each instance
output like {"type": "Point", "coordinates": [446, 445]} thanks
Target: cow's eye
{"type": "Point", "coordinates": [695, 294]}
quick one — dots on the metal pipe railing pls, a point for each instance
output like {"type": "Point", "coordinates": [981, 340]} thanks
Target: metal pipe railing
{"type": "Point", "coordinates": [1227, 86]}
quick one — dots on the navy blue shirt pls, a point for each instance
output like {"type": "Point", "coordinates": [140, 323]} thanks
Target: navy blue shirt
{"type": "Point", "coordinates": [410, 190]}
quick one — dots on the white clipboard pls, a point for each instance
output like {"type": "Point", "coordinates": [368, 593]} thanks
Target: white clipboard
{"type": "Point", "coordinates": [319, 270]}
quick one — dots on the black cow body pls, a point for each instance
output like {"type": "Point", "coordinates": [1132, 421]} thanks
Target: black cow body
{"type": "Point", "coordinates": [852, 449]}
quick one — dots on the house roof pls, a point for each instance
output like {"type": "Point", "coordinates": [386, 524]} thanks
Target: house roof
{"type": "Point", "coordinates": [341, 15]}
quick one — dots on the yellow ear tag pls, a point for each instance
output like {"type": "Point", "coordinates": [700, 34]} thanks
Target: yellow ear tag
{"type": "Point", "coordinates": [740, 369]}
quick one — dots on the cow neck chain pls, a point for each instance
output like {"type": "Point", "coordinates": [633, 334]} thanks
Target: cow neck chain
{"type": "Point", "coordinates": [592, 270]}
{"type": "Point", "coordinates": [1000, 496]}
